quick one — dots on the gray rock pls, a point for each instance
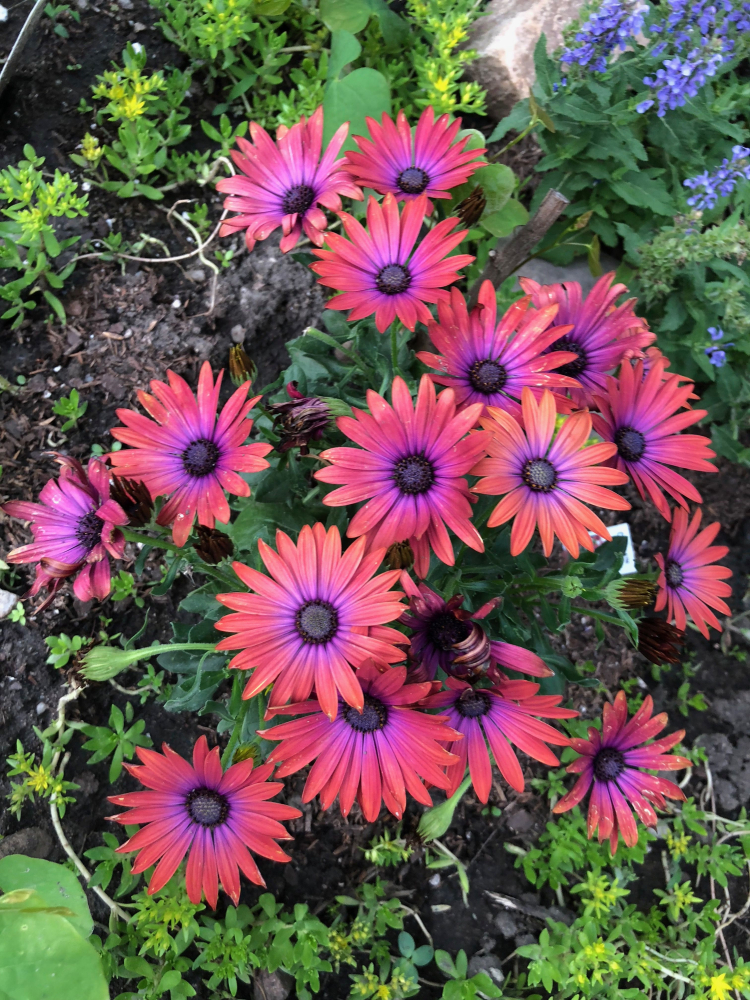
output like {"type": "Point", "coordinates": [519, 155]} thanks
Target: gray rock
{"type": "Point", "coordinates": [33, 842]}
{"type": "Point", "coordinates": [486, 963]}
{"type": "Point", "coordinates": [504, 40]}
{"type": "Point", "coordinates": [521, 821]}
{"type": "Point", "coordinates": [196, 274]}
{"type": "Point", "coordinates": [720, 751]}
{"type": "Point", "coordinates": [523, 939]}
{"type": "Point", "coordinates": [237, 333]}
{"type": "Point", "coordinates": [735, 711]}
{"type": "Point", "coordinates": [549, 274]}
{"type": "Point", "coordinates": [272, 985]}
{"type": "Point", "coordinates": [726, 793]}
{"type": "Point", "coordinates": [506, 924]}
{"type": "Point", "coordinates": [8, 601]}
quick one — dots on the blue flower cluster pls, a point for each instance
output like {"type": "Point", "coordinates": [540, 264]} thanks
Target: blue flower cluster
{"type": "Point", "coordinates": [719, 184]}
{"type": "Point", "coordinates": [701, 38]}
{"type": "Point", "coordinates": [612, 26]}
{"type": "Point", "coordinates": [716, 355]}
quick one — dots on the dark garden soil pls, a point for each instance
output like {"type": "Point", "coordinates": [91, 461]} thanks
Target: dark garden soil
{"type": "Point", "coordinates": [127, 326]}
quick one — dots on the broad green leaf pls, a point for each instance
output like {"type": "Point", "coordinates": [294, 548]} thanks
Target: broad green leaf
{"type": "Point", "coordinates": [344, 49]}
{"type": "Point", "coordinates": [498, 183]}
{"type": "Point", "coordinates": [271, 8]}
{"type": "Point", "coordinates": [345, 15]}
{"type": "Point", "coordinates": [502, 223]}
{"type": "Point", "coordinates": [364, 92]}
{"type": "Point", "coordinates": [56, 885]}
{"type": "Point", "coordinates": [43, 957]}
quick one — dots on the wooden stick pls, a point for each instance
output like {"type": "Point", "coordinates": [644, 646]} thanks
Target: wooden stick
{"type": "Point", "coordinates": [515, 251]}
{"type": "Point", "coordinates": [15, 53]}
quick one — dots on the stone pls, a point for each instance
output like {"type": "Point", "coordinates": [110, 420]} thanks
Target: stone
{"type": "Point", "coordinates": [32, 842]}
{"type": "Point", "coordinates": [735, 711]}
{"type": "Point", "coordinates": [272, 985]}
{"type": "Point", "coordinates": [506, 924]}
{"type": "Point", "coordinates": [521, 821]}
{"type": "Point", "coordinates": [196, 274]}
{"type": "Point", "coordinates": [504, 40]}
{"type": "Point", "coordinates": [8, 601]}
{"type": "Point", "coordinates": [578, 270]}
{"type": "Point", "coordinates": [114, 386]}
{"type": "Point", "coordinates": [486, 963]}
{"type": "Point", "coordinates": [237, 333]}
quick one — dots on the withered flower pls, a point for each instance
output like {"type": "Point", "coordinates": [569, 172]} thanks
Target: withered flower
{"type": "Point", "coordinates": [659, 641]}
{"type": "Point", "coordinates": [400, 556]}
{"type": "Point", "coordinates": [134, 498]}
{"type": "Point", "coordinates": [213, 545]}
{"type": "Point", "coordinates": [471, 208]}
{"type": "Point", "coordinates": [631, 594]}
{"type": "Point", "coordinates": [241, 367]}
{"type": "Point", "coordinates": [300, 420]}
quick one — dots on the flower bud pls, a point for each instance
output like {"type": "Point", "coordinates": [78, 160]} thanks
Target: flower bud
{"type": "Point", "coordinates": [134, 498]}
{"type": "Point", "coordinates": [213, 545]}
{"type": "Point", "coordinates": [659, 641]}
{"type": "Point", "coordinates": [630, 594]}
{"type": "Point", "coordinates": [299, 420]}
{"type": "Point", "coordinates": [400, 556]}
{"type": "Point", "coordinates": [241, 367]}
{"type": "Point", "coordinates": [471, 208]}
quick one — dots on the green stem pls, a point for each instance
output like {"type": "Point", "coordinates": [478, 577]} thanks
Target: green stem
{"type": "Point", "coordinates": [394, 349]}
{"type": "Point", "coordinates": [187, 553]}
{"type": "Point", "coordinates": [157, 543]}
{"type": "Point", "coordinates": [226, 757]}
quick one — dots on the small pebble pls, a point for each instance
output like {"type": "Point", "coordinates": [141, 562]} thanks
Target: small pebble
{"type": "Point", "coordinates": [85, 186]}
{"type": "Point", "coordinates": [435, 881]}
{"type": "Point", "coordinates": [127, 335]}
{"type": "Point", "coordinates": [237, 333]}
{"type": "Point", "coordinates": [3, 14]}
{"type": "Point", "coordinates": [57, 369]}
{"type": "Point", "coordinates": [196, 274]}
{"type": "Point", "coordinates": [41, 708]}
{"type": "Point", "coordinates": [176, 303]}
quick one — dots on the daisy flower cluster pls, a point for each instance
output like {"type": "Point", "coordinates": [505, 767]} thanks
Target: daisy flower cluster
{"type": "Point", "coordinates": [392, 686]}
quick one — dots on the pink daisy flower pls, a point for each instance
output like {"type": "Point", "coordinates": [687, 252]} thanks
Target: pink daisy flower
{"type": "Point", "coordinates": [284, 183]}
{"type": "Point", "coordinates": [409, 468]}
{"type": "Point", "coordinates": [502, 715]}
{"type": "Point", "coordinates": [689, 582]}
{"type": "Point", "coordinates": [613, 762]}
{"type": "Point", "coordinates": [640, 416]}
{"type": "Point", "coordinates": [74, 529]}
{"type": "Point", "coordinates": [212, 815]}
{"type": "Point", "coordinates": [429, 161]}
{"type": "Point", "coordinates": [548, 478]}
{"type": "Point", "coordinates": [379, 270]}
{"type": "Point", "coordinates": [316, 616]}
{"type": "Point", "coordinates": [489, 364]}
{"type": "Point", "coordinates": [444, 637]}
{"type": "Point", "coordinates": [378, 753]}
{"type": "Point", "coordinates": [186, 453]}
{"type": "Point", "coordinates": [602, 332]}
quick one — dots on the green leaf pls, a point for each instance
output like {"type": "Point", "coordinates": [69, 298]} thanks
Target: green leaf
{"type": "Point", "coordinates": [364, 92]}
{"type": "Point", "coordinates": [345, 15]}
{"type": "Point", "coordinates": [43, 957]}
{"type": "Point", "coordinates": [56, 304]}
{"type": "Point", "coordinates": [498, 182]}
{"type": "Point", "coordinates": [406, 944]}
{"type": "Point", "coordinates": [344, 49]}
{"type": "Point", "coordinates": [56, 885]}
{"type": "Point", "coordinates": [445, 963]}
{"type": "Point", "coordinates": [271, 8]}
{"type": "Point", "coordinates": [502, 223]}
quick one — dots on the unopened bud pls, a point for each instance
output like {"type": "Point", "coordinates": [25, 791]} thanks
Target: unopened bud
{"type": "Point", "coordinates": [213, 545]}
{"type": "Point", "coordinates": [630, 594]}
{"type": "Point", "coordinates": [659, 641]}
{"type": "Point", "coordinates": [241, 367]}
{"type": "Point", "coordinates": [400, 556]}
{"type": "Point", "coordinates": [470, 210]}
{"type": "Point", "coordinates": [134, 498]}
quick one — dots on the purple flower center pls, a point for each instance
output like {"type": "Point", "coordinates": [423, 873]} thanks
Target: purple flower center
{"type": "Point", "coordinates": [573, 368]}
{"type": "Point", "coordinates": [445, 630]}
{"type": "Point", "coordinates": [630, 443]}
{"type": "Point", "coordinates": [89, 530]}
{"type": "Point", "coordinates": [472, 704]}
{"type": "Point", "coordinates": [374, 716]}
{"type": "Point", "coordinates": [317, 622]}
{"type": "Point", "coordinates": [487, 376]}
{"type": "Point", "coordinates": [393, 279]}
{"type": "Point", "coordinates": [674, 574]}
{"type": "Point", "coordinates": [207, 807]}
{"type": "Point", "coordinates": [200, 458]}
{"type": "Point", "coordinates": [539, 475]}
{"type": "Point", "coordinates": [414, 474]}
{"type": "Point", "coordinates": [298, 199]}
{"type": "Point", "coordinates": [413, 180]}
{"type": "Point", "coordinates": [609, 764]}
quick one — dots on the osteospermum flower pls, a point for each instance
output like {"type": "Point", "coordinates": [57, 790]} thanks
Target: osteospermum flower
{"type": "Point", "coordinates": [613, 762]}
{"type": "Point", "coordinates": [602, 332]}
{"type": "Point", "coordinates": [447, 638]}
{"type": "Point", "coordinates": [690, 583]}
{"type": "Point", "coordinates": [316, 616]}
{"type": "Point", "coordinates": [188, 454]}
{"type": "Point", "coordinates": [217, 816]}
{"type": "Point", "coordinates": [504, 715]}
{"type": "Point", "coordinates": [548, 478]}
{"type": "Point", "coordinates": [409, 469]}
{"type": "Point", "coordinates": [380, 752]}
{"type": "Point", "coordinates": [430, 161]}
{"type": "Point", "coordinates": [640, 416]}
{"type": "Point", "coordinates": [379, 270]}
{"type": "Point", "coordinates": [284, 183]}
{"type": "Point", "coordinates": [74, 529]}
{"type": "Point", "coordinates": [490, 364]}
